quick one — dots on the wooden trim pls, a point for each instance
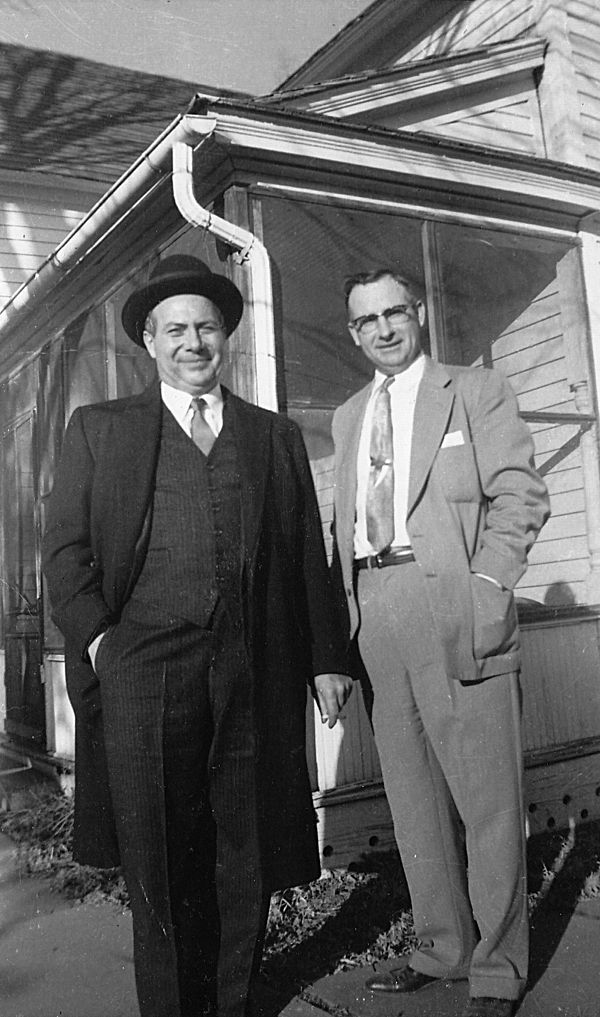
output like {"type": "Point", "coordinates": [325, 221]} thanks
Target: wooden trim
{"type": "Point", "coordinates": [433, 290]}
{"type": "Point", "coordinates": [557, 617]}
{"type": "Point", "coordinates": [558, 753]}
{"type": "Point", "coordinates": [328, 197]}
{"type": "Point", "coordinates": [421, 161]}
{"type": "Point", "coordinates": [559, 100]}
{"type": "Point", "coordinates": [242, 356]}
{"type": "Point", "coordinates": [420, 81]}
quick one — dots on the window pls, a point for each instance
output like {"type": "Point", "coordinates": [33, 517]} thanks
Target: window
{"type": "Point", "coordinates": [495, 298]}
{"type": "Point", "coordinates": [25, 715]}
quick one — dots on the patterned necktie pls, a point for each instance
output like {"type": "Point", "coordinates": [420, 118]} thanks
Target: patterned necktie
{"type": "Point", "coordinates": [202, 434]}
{"type": "Point", "coordinates": [380, 489]}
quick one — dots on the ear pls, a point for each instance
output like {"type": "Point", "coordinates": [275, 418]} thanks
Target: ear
{"type": "Point", "coordinates": [421, 312]}
{"type": "Point", "coordinates": [149, 343]}
{"type": "Point", "coordinates": [354, 335]}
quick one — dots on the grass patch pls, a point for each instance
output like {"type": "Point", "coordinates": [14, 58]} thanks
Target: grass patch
{"type": "Point", "coordinates": [43, 833]}
{"type": "Point", "coordinates": [347, 918]}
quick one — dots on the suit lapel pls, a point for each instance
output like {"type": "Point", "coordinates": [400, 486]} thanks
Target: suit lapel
{"type": "Point", "coordinates": [432, 410]}
{"type": "Point", "coordinates": [346, 468]}
{"type": "Point", "coordinates": [252, 438]}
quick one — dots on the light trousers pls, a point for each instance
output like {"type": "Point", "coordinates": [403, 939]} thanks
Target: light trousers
{"type": "Point", "coordinates": [451, 758]}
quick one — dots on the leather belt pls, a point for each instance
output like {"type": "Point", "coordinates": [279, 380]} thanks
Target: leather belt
{"type": "Point", "coordinates": [397, 556]}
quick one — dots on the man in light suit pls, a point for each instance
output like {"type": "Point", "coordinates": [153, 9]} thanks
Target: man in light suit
{"type": "Point", "coordinates": [186, 569]}
{"type": "Point", "coordinates": [436, 505]}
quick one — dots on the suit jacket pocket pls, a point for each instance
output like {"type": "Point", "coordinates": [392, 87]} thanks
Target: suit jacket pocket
{"type": "Point", "coordinates": [494, 621]}
{"type": "Point", "coordinates": [456, 471]}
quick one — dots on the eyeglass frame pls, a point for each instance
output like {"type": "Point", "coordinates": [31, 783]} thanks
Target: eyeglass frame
{"type": "Point", "coordinates": [373, 319]}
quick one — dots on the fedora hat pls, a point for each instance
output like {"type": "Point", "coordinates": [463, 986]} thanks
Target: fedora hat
{"type": "Point", "coordinates": [181, 273]}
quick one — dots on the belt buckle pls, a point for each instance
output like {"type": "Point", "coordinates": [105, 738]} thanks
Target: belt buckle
{"type": "Point", "coordinates": [378, 560]}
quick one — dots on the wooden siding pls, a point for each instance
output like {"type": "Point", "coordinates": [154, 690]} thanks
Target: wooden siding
{"type": "Point", "coordinates": [584, 37]}
{"type": "Point", "coordinates": [530, 352]}
{"type": "Point", "coordinates": [30, 229]}
{"type": "Point", "coordinates": [512, 123]}
{"type": "Point", "coordinates": [557, 709]}
{"type": "Point", "coordinates": [477, 24]}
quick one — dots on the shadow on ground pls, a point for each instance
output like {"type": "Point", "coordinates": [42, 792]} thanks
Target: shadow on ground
{"type": "Point", "coordinates": [370, 920]}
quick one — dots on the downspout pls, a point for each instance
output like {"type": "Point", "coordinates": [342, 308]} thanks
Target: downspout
{"type": "Point", "coordinates": [250, 250]}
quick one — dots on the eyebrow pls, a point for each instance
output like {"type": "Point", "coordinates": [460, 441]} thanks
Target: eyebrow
{"type": "Point", "coordinates": [201, 321]}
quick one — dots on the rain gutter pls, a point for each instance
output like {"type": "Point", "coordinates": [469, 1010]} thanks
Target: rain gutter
{"type": "Point", "coordinates": [250, 249]}
{"type": "Point", "coordinates": [130, 188]}
{"type": "Point", "coordinates": [172, 152]}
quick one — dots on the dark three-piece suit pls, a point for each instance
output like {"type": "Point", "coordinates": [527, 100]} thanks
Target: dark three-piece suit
{"type": "Point", "coordinates": [209, 576]}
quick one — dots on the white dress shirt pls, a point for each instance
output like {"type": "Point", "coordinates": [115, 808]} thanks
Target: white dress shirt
{"type": "Point", "coordinates": [180, 405]}
{"type": "Point", "coordinates": [403, 397]}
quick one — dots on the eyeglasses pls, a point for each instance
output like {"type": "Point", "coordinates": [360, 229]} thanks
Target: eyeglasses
{"type": "Point", "coordinates": [367, 325]}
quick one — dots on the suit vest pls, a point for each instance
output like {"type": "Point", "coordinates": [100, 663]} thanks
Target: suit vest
{"type": "Point", "coordinates": [194, 552]}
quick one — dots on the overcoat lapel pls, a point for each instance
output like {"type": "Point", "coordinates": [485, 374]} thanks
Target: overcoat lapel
{"type": "Point", "coordinates": [254, 447]}
{"type": "Point", "coordinates": [432, 410]}
{"type": "Point", "coordinates": [129, 485]}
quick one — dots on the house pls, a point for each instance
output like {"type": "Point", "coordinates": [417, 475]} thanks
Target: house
{"type": "Point", "coordinates": [458, 138]}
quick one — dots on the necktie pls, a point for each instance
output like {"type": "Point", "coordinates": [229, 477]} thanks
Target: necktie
{"type": "Point", "coordinates": [202, 435]}
{"type": "Point", "coordinates": [380, 488]}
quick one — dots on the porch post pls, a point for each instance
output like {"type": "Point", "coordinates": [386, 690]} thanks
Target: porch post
{"type": "Point", "coordinates": [585, 401]}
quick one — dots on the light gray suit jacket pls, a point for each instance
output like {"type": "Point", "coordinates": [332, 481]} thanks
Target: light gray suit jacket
{"type": "Point", "coordinates": [475, 505]}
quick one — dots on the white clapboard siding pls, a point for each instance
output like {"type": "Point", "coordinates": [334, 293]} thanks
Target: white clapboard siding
{"type": "Point", "coordinates": [530, 353]}
{"type": "Point", "coordinates": [560, 553]}
{"type": "Point", "coordinates": [513, 124]}
{"type": "Point", "coordinates": [473, 25]}
{"type": "Point", "coordinates": [584, 37]}
{"type": "Point", "coordinates": [561, 699]}
{"type": "Point", "coordinates": [345, 755]}
{"type": "Point", "coordinates": [322, 471]}
{"type": "Point", "coordinates": [30, 229]}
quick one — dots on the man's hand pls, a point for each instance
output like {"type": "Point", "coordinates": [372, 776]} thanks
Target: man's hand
{"type": "Point", "coordinates": [332, 692]}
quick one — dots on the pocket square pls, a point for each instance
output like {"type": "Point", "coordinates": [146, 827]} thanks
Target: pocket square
{"type": "Point", "coordinates": [452, 439]}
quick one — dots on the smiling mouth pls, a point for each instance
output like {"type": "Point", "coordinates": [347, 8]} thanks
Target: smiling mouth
{"type": "Point", "coordinates": [390, 343]}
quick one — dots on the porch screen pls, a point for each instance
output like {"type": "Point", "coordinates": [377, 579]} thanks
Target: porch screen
{"type": "Point", "coordinates": [494, 299]}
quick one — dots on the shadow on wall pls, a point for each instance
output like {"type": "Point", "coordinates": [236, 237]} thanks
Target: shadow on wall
{"type": "Point", "coordinates": [559, 595]}
{"type": "Point", "coordinates": [59, 112]}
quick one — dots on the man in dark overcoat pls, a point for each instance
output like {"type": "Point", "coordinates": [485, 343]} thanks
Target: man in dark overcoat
{"type": "Point", "coordinates": [186, 569]}
{"type": "Point", "coordinates": [437, 503]}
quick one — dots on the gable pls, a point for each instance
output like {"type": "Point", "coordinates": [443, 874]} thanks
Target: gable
{"type": "Point", "coordinates": [486, 96]}
{"type": "Point", "coordinates": [393, 32]}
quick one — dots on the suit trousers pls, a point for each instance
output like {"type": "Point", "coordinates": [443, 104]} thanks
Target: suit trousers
{"type": "Point", "coordinates": [181, 745]}
{"type": "Point", "coordinates": [451, 758]}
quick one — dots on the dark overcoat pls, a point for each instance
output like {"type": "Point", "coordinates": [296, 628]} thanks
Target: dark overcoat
{"type": "Point", "coordinates": [94, 548]}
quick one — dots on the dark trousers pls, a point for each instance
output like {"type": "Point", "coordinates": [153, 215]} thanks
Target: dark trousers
{"type": "Point", "coordinates": [452, 769]}
{"type": "Point", "coordinates": [180, 738]}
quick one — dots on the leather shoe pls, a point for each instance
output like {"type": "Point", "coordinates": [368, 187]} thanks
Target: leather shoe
{"type": "Point", "coordinates": [399, 980]}
{"type": "Point", "coordinates": [490, 1006]}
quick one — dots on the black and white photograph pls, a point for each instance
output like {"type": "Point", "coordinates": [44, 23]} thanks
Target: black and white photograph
{"type": "Point", "coordinates": [299, 508]}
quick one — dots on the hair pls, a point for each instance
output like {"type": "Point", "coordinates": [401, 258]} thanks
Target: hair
{"type": "Point", "coordinates": [364, 278]}
{"type": "Point", "coordinates": [150, 324]}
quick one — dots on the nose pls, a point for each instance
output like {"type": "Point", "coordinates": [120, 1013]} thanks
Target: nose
{"type": "Point", "coordinates": [384, 327]}
{"type": "Point", "coordinates": [195, 339]}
